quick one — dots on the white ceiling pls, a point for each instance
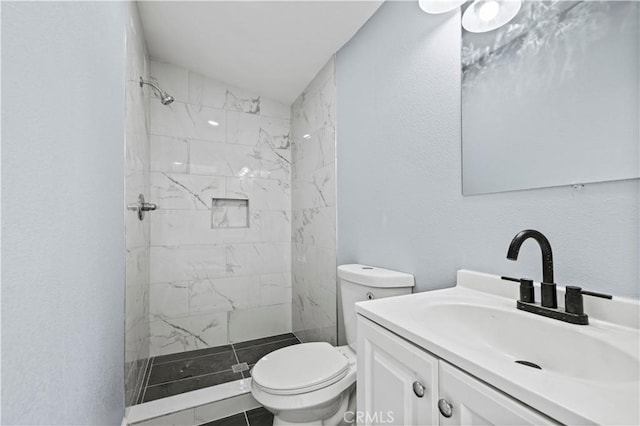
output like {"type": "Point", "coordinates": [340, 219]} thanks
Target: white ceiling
{"type": "Point", "coordinates": [274, 48]}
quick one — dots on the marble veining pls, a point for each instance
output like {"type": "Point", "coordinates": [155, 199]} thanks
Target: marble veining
{"type": "Point", "coordinates": [169, 300]}
{"type": "Point", "coordinates": [234, 160]}
{"type": "Point", "coordinates": [275, 289]}
{"type": "Point", "coordinates": [212, 281]}
{"type": "Point", "coordinates": [196, 197]}
{"type": "Point", "coordinates": [313, 220]}
{"type": "Point", "coordinates": [251, 129]}
{"type": "Point", "coordinates": [234, 102]}
{"type": "Point", "coordinates": [230, 213]}
{"type": "Point", "coordinates": [219, 266]}
{"type": "Point", "coordinates": [224, 294]}
{"type": "Point", "coordinates": [188, 333]}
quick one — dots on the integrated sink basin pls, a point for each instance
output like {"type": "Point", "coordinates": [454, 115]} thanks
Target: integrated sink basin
{"type": "Point", "coordinates": [575, 374]}
{"type": "Point", "coordinates": [556, 348]}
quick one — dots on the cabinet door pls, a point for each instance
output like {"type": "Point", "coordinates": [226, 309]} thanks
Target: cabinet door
{"type": "Point", "coordinates": [388, 369]}
{"type": "Point", "coordinates": [476, 403]}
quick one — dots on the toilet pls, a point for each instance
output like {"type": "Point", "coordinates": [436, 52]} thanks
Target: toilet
{"type": "Point", "coordinates": [314, 383]}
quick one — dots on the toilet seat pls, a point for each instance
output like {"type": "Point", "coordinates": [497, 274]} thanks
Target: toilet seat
{"type": "Point", "coordinates": [300, 369]}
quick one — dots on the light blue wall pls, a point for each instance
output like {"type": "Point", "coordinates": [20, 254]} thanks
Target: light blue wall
{"type": "Point", "coordinates": [399, 174]}
{"type": "Point", "coordinates": [62, 213]}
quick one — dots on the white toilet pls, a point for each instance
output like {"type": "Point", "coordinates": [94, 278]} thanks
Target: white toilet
{"type": "Point", "coordinates": [314, 383]}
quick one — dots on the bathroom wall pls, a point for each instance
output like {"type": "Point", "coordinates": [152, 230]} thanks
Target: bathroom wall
{"type": "Point", "coordinates": [136, 182]}
{"type": "Point", "coordinates": [63, 263]}
{"type": "Point", "coordinates": [218, 273]}
{"type": "Point", "coordinates": [399, 174]}
{"type": "Point", "coordinates": [314, 209]}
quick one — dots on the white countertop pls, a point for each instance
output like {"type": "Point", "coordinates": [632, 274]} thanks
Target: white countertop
{"type": "Point", "coordinates": [567, 399]}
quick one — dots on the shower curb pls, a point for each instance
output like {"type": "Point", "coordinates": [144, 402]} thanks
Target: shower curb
{"type": "Point", "coordinates": [195, 407]}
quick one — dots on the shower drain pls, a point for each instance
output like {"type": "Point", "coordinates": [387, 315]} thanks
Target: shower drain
{"type": "Point", "coordinates": [237, 368]}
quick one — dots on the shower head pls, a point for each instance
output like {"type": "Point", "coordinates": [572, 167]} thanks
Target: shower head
{"type": "Point", "coordinates": [165, 98]}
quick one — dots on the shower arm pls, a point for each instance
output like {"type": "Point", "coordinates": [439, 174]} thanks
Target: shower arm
{"type": "Point", "coordinates": [143, 82]}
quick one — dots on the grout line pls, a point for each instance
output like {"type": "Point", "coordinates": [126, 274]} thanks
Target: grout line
{"type": "Point", "coordinates": [238, 360]}
{"type": "Point", "coordinates": [194, 377]}
{"type": "Point", "coordinates": [194, 357]}
{"type": "Point", "coordinates": [146, 385]}
{"type": "Point", "coordinates": [188, 168]}
{"type": "Point", "coordinates": [267, 343]}
{"type": "Point", "coordinates": [228, 328]}
{"type": "Point", "coordinates": [139, 381]}
{"type": "Point", "coordinates": [235, 354]}
{"type": "Point", "coordinates": [280, 339]}
{"type": "Point", "coordinates": [147, 373]}
{"type": "Point", "coordinates": [246, 418]}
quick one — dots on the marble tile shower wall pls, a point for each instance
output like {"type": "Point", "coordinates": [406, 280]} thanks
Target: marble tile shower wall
{"type": "Point", "coordinates": [314, 210]}
{"type": "Point", "coordinates": [215, 280]}
{"type": "Point", "coordinates": [136, 182]}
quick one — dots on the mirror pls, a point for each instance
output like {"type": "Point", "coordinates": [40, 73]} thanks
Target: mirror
{"type": "Point", "coordinates": [551, 98]}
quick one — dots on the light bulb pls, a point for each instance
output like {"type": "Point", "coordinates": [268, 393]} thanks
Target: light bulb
{"type": "Point", "coordinates": [489, 10]}
{"type": "Point", "coordinates": [487, 15]}
{"type": "Point", "coordinates": [439, 6]}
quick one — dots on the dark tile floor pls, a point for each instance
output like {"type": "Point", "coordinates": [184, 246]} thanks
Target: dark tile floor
{"type": "Point", "coordinates": [257, 417]}
{"type": "Point", "coordinates": [174, 374]}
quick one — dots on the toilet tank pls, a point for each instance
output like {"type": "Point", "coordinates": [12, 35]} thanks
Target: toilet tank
{"type": "Point", "coordinates": [361, 282]}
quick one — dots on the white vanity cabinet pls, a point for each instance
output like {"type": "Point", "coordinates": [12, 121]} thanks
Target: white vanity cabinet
{"type": "Point", "coordinates": [397, 381]}
{"type": "Point", "coordinates": [474, 403]}
{"type": "Point", "coordinates": [401, 384]}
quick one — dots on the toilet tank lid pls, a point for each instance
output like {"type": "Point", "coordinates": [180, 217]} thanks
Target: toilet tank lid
{"type": "Point", "coordinates": [373, 276]}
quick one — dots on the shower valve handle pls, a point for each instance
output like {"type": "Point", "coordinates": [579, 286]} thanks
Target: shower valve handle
{"type": "Point", "coordinates": [147, 207]}
{"type": "Point", "coordinates": [141, 206]}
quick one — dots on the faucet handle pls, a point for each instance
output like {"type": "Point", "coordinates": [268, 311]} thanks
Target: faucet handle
{"type": "Point", "coordinates": [594, 294]}
{"type": "Point", "coordinates": [573, 299]}
{"type": "Point", "coordinates": [526, 288]}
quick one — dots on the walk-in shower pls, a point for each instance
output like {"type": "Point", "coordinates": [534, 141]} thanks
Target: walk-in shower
{"type": "Point", "coordinates": [165, 98]}
{"type": "Point", "coordinates": [213, 282]}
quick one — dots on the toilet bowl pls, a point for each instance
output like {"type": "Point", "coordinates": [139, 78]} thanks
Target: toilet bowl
{"type": "Point", "coordinates": [314, 383]}
{"type": "Point", "coordinates": [309, 383]}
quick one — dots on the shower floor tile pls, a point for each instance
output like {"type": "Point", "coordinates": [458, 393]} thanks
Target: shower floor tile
{"type": "Point", "coordinates": [191, 367]}
{"type": "Point", "coordinates": [188, 385]}
{"type": "Point", "coordinates": [174, 374]}
{"type": "Point", "coordinates": [251, 354]}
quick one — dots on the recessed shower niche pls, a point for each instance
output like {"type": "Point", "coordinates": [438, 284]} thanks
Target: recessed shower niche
{"type": "Point", "coordinates": [229, 213]}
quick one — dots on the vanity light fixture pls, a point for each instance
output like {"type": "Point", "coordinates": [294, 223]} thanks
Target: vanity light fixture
{"type": "Point", "coordinates": [213, 123]}
{"type": "Point", "coordinates": [487, 15]}
{"type": "Point", "coordinates": [481, 16]}
{"type": "Point", "coordinates": [436, 7]}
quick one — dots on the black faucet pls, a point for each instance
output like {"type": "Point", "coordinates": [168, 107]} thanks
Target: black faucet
{"type": "Point", "coordinates": [548, 287]}
{"type": "Point", "coordinates": [574, 312]}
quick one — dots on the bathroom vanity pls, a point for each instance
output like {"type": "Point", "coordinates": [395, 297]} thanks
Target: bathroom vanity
{"type": "Point", "coordinates": [466, 355]}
